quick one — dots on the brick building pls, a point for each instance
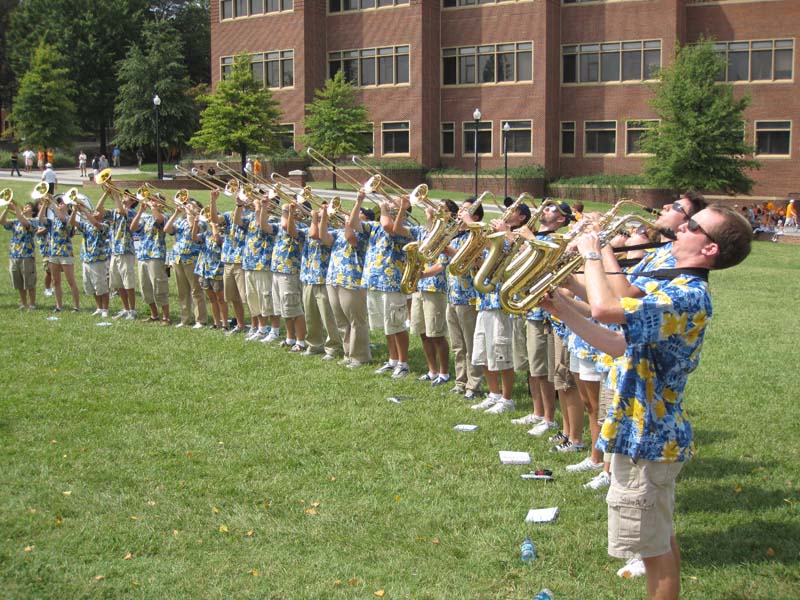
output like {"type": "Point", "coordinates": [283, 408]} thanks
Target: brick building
{"type": "Point", "coordinates": [569, 78]}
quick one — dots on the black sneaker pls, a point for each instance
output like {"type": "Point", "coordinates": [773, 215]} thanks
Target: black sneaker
{"type": "Point", "coordinates": [558, 438]}
{"type": "Point", "coordinates": [562, 447]}
{"type": "Point", "coordinates": [56, 310]}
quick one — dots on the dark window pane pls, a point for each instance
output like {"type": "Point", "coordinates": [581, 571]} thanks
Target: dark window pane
{"type": "Point", "coordinates": [590, 66]}
{"type": "Point", "coordinates": [738, 66]}
{"type": "Point", "coordinates": [449, 70]}
{"type": "Point", "coordinates": [256, 7]}
{"type": "Point", "coordinates": [486, 68]}
{"type": "Point", "coordinates": [610, 68]}
{"type": "Point", "coordinates": [466, 70]}
{"type": "Point", "coordinates": [634, 141]}
{"type": "Point", "coordinates": [350, 5]}
{"type": "Point", "coordinates": [469, 141]}
{"type": "Point", "coordinates": [652, 63]}
{"type": "Point", "coordinates": [761, 64]}
{"type": "Point", "coordinates": [334, 67]}
{"type": "Point", "coordinates": [350, 68]}
{"type": "Point", "coordinates": [241, 8]}
{"type": "Point", "coordinates": [258, 71]}
{"type": "Point", "coordinates": [395, 142]}
{"type": "Point", "coordinates": [772, 142]}
{"type": "Point", "coordinates": [484, 142]}
{"type": "Point", "coordinates": [367, 71]}
{"type": "Point", "coordinates": [518, 141]}
{"type": "Point", "coordinates": [505, 67]}
{"type": "Point", "coordinates": [335, 5]}
{"type": "Point", "coordinates": [366, 136]}
{"type": "Point", "coordinates": [273, 5]}
{"type": "Point", "coordinates": [401, 73]}
{"type": "Point", "coordinates": [288, 4]}
{"type": "Point", "coordinates": [385, 71]}
{"type": "Point", "coordinates": [227, 9]}
{"type": "Point", "coordinates": [783, 64]}
{"type": "Point", "coordinates": [570, 68]}
{"type": "Point", "coordinates": [601, 142]}
{"type": "Point", "coordinates": [273, 74]}
{"type": "Point", "coordinates": [631, 66]}
{"type": "Point", "coordinates": [568, 142]}
{"type": "Point", "coordinates": [448, 142]}
{"type": "Point", "coordinates": [288, 72]}
{"type": "Point", "coordinates": [524, 66]}
{"type": "Point", "coordinates": [367, 3]}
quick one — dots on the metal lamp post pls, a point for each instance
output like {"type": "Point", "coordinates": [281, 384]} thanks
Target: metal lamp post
{"type": "Point", "coordinates": [157, 104]}
{"type": "Point", "coordinates": [506, 129]}
{"type": "Point", "coordinates": [477, 116]}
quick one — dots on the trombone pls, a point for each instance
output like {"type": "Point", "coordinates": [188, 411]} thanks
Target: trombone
{"type": "Point", "coordinates": [211, 182]}
{"type": "Point", "coordinates": [336, 214]}
{"type": "Point", "coordinates": [103, 179]}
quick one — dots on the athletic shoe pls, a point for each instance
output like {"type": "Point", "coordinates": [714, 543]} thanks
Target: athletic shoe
{"type": "Point", "coordinates": [558, 438]}
{"type": "Point", "coordinates": [297, 348]}
{"type": "Point", "coordinates": [633, 568]}
{"type": "Point", "coordinates": [543, 427]}
{"type": "Point", "coordinates": [344, 362]}
{"type": "Point", "coordinates": [33, 307]}
{"type": "Point", "coordinates": [103, 313]}
{"type": "Point", "coordinates": [354, 364]}
{"type": "Point", "coordinates": [75, 309]}
{"type": "Point", "coordinates": [198, 325]}
{"type": "Point", "coordinates": [132, 315]}
{"type": "Point", "coordinates": [426, 377]}
{"type": "Point", "coordinates": [457, 390]}
{"type": "Point", "coordinates": [439, 381]}
{"type": "Point", "coordinates": [252, 336]}
{"type": "Point", "coordinates": [384, 368]}
{"type": "Point", "coordinates": [599, 481]}
{"type": "Point", "coordinates": [530, 419]}
{"type": "Point", "coordinates": [121, 314]}
{"type": "Point", "coordinates": [234, 331]}
{"type": "Point", "coordinates": [587, 464]}
{"type": "Point", "coordinates": [329, 357]}
{"type": "Point", "coordinates": [270, 337]}
{"type": "Point", "coordinates": [48, 292]}
{"type": "Point", "coordinates": [96, 312]}
{"type": "Point", "coordinates": [500, 407]}
{"type": "Point", "coordinates": [179, 325]}
{"type": "Point", "coordinates": [472, 395]}
{"type": "Point", "coordinates": [400, 371]}
{"type": "Point", "coordinates": [310, 352]}
{"type": "Point", "coordinates": [488, 402]}
{"type": "Point", "coordinates": [56, 310]}
{"type": "Point", "coordinates": [568, 446]}
{"type": "Point", "coordinates": [286, 344]}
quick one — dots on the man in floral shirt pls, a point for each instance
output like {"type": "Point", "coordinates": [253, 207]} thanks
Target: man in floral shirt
{"type": "Point", "coordinates": [152, 255]}
{"type": "Point", "coordinates": [20, 252]}
{"type": "Point", "coordinates": [657, 348]}
{"type": "Point", "coordinates": [95, 254]}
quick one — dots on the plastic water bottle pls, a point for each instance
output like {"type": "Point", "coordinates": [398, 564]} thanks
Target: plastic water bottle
{"type": "Point", "coordinates": [545, 594]}
{"type": "Point", "coordinates": [527, 551]}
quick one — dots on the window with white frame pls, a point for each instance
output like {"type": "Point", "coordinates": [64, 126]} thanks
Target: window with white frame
{"type": "Point", "coordinates": [608, 62]}
{"type": "Point", "coordinates": [518, 136]}
{"type": "Point", "coordinates": [600, 137]}
{"type": "Point", "coordinates": [773, 138]}
{"type": "Point", "coordinates": [568, 138]}
{"type": "Point", "coordinates": [371, 66]}
{"type": "Point", "coordinates": [337, 6]}
{"type": "Point", "coordinates": [448, 147]}
{"type": "Point", "coordinates": [633, 134]}
{"type": "Point", "coordinates": [484, 138]}
{"type": "Point", "coordinates": [286, 136]}
{"type": "Point", "coordinates": [757, 60]}
{"type": "Point", "coordinates": [462, 3]}
{"type": "Point", "coordinates": [492, 63]}
{"type": "Point", "coordinates": [273, 69]}
{"type": "Point", "coordinates": [395, 137]}
{"type": "Point", "coordinates": [230, 9]}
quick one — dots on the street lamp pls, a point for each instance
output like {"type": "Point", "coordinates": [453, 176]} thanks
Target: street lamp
{"type": "Point", "coordinates": [506, 129]}
{"type": "Point", "coordinates": [477, 116]}
{"type": "Point", "coordinates": [157, 104]}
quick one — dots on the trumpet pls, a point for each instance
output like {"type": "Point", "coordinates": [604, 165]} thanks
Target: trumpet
{"type": "Point", "coordinates": [548, 264]}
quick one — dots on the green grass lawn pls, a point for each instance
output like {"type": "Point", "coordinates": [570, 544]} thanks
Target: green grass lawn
{"type": "Point", "coordinates": [170, 463]}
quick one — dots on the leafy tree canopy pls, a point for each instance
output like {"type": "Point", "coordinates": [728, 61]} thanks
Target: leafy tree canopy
{"type": "Point", "coordinates": [699, 142]}
{"type": "Point", "coordinates": [241, 115]}
{"type": "Point", "coordinates": [44, 112]}
{"type": "Point", "coordinates": [155, 67]}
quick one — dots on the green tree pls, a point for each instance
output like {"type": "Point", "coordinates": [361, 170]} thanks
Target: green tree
{"type": "Point", "coordinates": [699, 142]}
{"type": "Point", "coordinates": [91, 36]}
{"type": "Point", "coordinates": [155, 67]}
{"type": "Point", "coordinates": [44, 110]}
{"type": "Point", "coordinates": [241, 115]}
{"type": "Point", "coordinates": [335, 121]}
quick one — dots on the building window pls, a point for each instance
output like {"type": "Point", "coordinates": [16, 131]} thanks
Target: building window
{"type": "Point", "coordinates": [518, 137]}
{"type": "Point", "coordinates": [494, 63]}
{"type": "Point", "coordinates": [371, 66]}
{"type": "Point", "coordinates": [484, 138]}
{"type": "Point", "coordinates": [448, 139]}
{"type": "Point", "coordinates": [773, 138]}
{"type": "Point", "coordinates": [369, 139]}
{"type": "Point", "coordinates": [568, 138]}
{"type": "Point", "coordinates": [249, 8]}
{"type": "Point", "coordinates": [462, 3]}
{"type": "Point", "coordinates": [601, 137]}
{"type": "Point", "coordinates": [335, 6]}
{"type": "Point", "coordinates": [274, 69]}
{"type": "Point", "coordinates": [610, 62]}
{"type": "Point", "coordinates": [395, 138]}
{"type": "Point", "coordinates": [286, 136]}
{"type": "Point", "coordinates": [763, 60]}
{"type": "Point", "coordinates": [634, 131]}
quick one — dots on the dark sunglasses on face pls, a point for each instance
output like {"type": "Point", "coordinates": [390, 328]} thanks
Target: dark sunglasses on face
{"type": "Point", "coordinates": [677, 206]}
{"type": "Point", "coordinates": [694, 227]}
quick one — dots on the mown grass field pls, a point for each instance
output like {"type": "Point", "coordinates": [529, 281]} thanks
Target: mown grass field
{"type": "Point", "coordinates": [150, 462]}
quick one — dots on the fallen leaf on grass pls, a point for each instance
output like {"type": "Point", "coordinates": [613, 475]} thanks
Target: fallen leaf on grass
{"type": "Point", "coordinates": [435, 541]}
{"type": "Point", "coordinates": [249, 533]}
{"type": "Point", "coordinates": [67, 493]}
{"type": "Point", "coordinates": [151, 503]}
{"type": "Point", "coordinates": [128, 556]}
{"type": "Point", "coordinates": [333, 478]}
{"type": "Point", "coordinates": [420, 538]}
{"type": "Point", "coordinates": [353, 581]}
{"type": "Point", "coordinates": [223, 529]}
{"type": "Point", "coordinates": [692, 577]}
{"type": "Point", "coordinates": [189, 454]}
{"type": "Point", "coordinates": [32, 511]}
{"type": "Point", "coordinates": [737, 488]}
{"type": "Point", "coordinates": [379, 593]}
{"type": "Point", "coordinates": [255, 572]}
{"type": "Point", "coordinates": [175, 532]}
{"type": "Point", "coordinates": [134, 518]}
{"type": "Point", "coordinates": [59, 519]}
{"type": "Point", "coordinates": [215, 510]}
{"type": "Point", "coordinates": [99, 577]}
{"type": "Point", "coordinates": [266, 503]}
{"type": "Point", "coordinates": [310, 511]}
{"type": "Point", "coordinates": [770, 552]}
{"type": "Point", "coordinates": [29, 548]}
{"type": "Point", "coordinates": [787, 500]}
{"type": "Point", "coordinates": [337, 582]}
{"type": "Point", "coordinates": [397, 498]}
{"type": "Point", "coordinates": [315, 504]}
{"type": "Point", "coordinates": [52, 441]}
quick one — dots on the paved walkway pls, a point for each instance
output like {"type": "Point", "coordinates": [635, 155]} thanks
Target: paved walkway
{"type": "Point", "coordinates": [66, 177]}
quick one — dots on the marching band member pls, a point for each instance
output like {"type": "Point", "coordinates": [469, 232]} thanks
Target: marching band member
{"type": "Point", "coordinates": [256, 261]}
{"type": "Point", "coordinates": [461, 314]}
{"type": "Point", "coordinates": [209, 268]}
{"type": "Point", "coordinates": [22, 264]}
{"type": "Point", "coordinates": [322, 334]}
{"type": "Point", "coordinates": [95, 254]}
{"type": "Point", "coordinates": [152, 254]}
{"type": "Point", "coordinates": [122, 267]}
{"type": "Point", "coordinates": [285, 266]}
{"type": "Point", "coordinates": [348, 299]}
{"type": "Point", "coordinates": [235, 225]}
{"type": "Point", "coordinates": [184, 260]}
{"type": "Point", "coordinates": [61, 260]}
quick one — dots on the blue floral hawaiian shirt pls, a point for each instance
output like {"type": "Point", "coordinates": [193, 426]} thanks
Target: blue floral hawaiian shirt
{"type": "Point", "coordinates": [42, 239]}
{"type": "Point", "coordinates": [346, 265]}
{"type": "Point", "coordinates": [95, 246]}
{"type": "Point", "coordinates": [209, 262]}
{"type": "Point", "coordinates": [316, 258]}
{"type": "Point", "coordinates": [259, 245]}
{"type": "Point", "coordinates": [121, 235]}
{"type": "Point", "coordinates": [152, 241]}
{"type": "Point", "coordinates": [21, 244]}
{"type": "Point", "coordinates": [184, 250]}
{"type": "Point", "coordinates": [288, 251]}
{"type": "Point", "coordinates": [383, 263]}
{"type": "Point", "coordinates": [234, 238]}
{"type": "Point", "coordinates": [60, 238]}
{"type": "Point", "coordinates": [460, 289]}
{"type": "Point", "coordinates": [664, 331]}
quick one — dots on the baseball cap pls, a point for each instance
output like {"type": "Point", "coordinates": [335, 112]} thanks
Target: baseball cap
{"type": "Point", "coordinates": [564, 209]}
{"type": "Point", "coordinates": [49, 165]}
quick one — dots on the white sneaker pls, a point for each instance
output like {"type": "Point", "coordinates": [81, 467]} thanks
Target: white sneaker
{"type": "Point", "coordinates": [48, 292]}
{"type": "Point", "coordinates": [487, 402]}
{"type": "Point", "coordinates": [400, 371]}
{"type": "Point", "coordinates": [530, 419]}
{"type": "Point", "coordinates": [598, 482]}
{"type": "Point", "coordinates": [543, 427]}
{"type": "Point", "coordinates": [120, 315]}
{"type": "Point", "coordinates": [384, 368]}
{"type": "Point", "coordinates": [252, 336]}
{"type": "Point", "coordinates": [270, 337]}
{"type": "Point", "coordinates": [500, 407]}
{"type": "Point", "coordinates": [179, 325]}
{"type": "Point", "coordinates": [198, 325]}
{"type": "Point", "coordinates": [633, 568]}
{"type": "Point", "coordinates": [103, 313]}
{"type": "Point", "coordinates": [587, 464]}
{"type": "Point", "coordinates": [132, 315]}
{"type": "Point", "coordinates": [96, 312]}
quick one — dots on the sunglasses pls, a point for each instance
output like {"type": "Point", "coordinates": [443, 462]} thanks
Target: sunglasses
{"type": "Point", "coordinates": [677, 206]}
{"type": "Point", "coordinates": [694, 227]}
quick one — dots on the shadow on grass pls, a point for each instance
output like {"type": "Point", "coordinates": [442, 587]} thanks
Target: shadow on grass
{"type": "Point", "coordinates": [754, 542]}
{"type": "Point", "coordinates": [725, 498]}
{"type": "Point", "coordinates": [717, 468]}
{"type": "Point", "coordinates": [708, 437]}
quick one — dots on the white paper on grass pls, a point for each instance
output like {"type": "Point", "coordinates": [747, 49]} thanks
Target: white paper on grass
{"type": "Point", "coordinates": [104, 324]}
{"type": "Point", "coordinates": [542, 515]}
{"type": "Point", "coordinates": [507, 457]}
{"type": "Point", "coordinates": [465, 427]}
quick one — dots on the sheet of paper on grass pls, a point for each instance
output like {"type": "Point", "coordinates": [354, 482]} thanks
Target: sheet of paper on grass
{"type": "Point", "coordinates": [507, 457]}
{"type": "Point", "coordinates": [465, 427]}
{"type": "Point", "coordinates": [542, 515]}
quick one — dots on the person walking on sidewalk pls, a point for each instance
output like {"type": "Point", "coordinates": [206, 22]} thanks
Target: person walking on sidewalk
{"type": "Point", "coordinates": [15, 163]}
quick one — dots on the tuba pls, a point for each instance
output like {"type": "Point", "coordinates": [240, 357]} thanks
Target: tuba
{"type": "Point", "coordinates": [548, 264]}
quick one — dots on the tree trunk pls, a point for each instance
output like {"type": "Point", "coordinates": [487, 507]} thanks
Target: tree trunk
{"type": "Point", "coordinates": [243, 155]}
{"type": "Point", "coordinates": [103, 140]}
{"type": "Point", "coordinates": [333, 175]}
